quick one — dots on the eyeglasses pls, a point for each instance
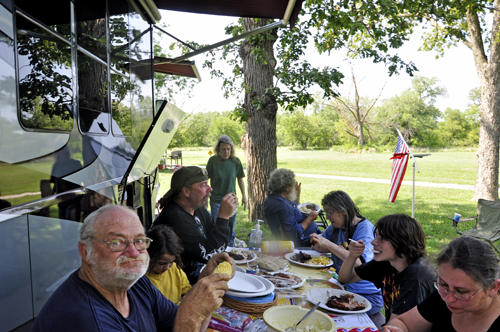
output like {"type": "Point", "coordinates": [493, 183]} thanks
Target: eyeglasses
{"type": "Point", "coordinates": [122, 244]}
{"type": "Point", "coordinates": [329, 212]}
{"type": "Point", "coordinates": [459, 296]}
{"type": "Point", "coordinates": [202, 171]}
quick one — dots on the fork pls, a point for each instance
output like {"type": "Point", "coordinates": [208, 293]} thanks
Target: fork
{"type": "Point", "coordinates": [369, 249]}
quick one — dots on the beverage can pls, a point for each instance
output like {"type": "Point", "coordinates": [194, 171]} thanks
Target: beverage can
{"type": "Point", "coordinates": [277, 247]}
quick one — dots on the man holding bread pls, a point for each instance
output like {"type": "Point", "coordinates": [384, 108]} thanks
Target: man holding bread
{"type": "Point", "coordinates": [109, 292]}
{"type": "Point", "coordinates": [183, 209]}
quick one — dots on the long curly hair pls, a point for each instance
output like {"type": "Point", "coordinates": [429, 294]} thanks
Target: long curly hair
{"type": "Point", "coordinates": [226, 140]}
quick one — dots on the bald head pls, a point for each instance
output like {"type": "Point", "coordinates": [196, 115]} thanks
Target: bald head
{"type": "Point", "coordinates": [107, 214]}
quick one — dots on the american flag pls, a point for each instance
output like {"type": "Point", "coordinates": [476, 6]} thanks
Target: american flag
{"type": "Point", "coordinates": [399, 162]}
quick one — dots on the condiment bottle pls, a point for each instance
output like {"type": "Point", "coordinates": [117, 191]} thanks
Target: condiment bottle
{"type": "Point", "coordinates": [256, 236]}
{"type": "Point", "coordinates": [277, 247]}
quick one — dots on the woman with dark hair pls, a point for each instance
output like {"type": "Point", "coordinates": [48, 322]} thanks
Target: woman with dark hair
{"type": "Point", "coordinates": [399, 266]}
{"type": "Point", "coordinates": [347, 224]}
{"type": "Point", "coordinates": [165, 265]}
{"type": "Point", "coordinates": [466, 295]}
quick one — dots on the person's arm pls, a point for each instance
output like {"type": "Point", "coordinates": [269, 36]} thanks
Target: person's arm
{"type": "Point", "coordinates": [241, 184]}
{"type": "Point", "coordinates": [410, 321]}
{"type": "Point", "coordinates": [347, 275]}
{"type": "Point", "coordinates": [310, 218]}
{"type": "Point", "coordinates": [197, 305]}
{"type": "Point", "coordinates": [321, 244]}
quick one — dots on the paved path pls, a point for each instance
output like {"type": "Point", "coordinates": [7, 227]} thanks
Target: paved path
{"type": "Point", "coordinates": [384, 181]}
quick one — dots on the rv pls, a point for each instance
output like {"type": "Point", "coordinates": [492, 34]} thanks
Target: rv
{"type": "Point", "coordinates": [80, 127]}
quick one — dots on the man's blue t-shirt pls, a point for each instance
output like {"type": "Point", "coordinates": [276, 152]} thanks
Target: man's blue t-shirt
{"type": "Point", "coordinates": [78, 306]}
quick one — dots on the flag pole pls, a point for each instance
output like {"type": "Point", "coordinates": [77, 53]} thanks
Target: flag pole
{"type": "Point", "coordinates": [420, 155]}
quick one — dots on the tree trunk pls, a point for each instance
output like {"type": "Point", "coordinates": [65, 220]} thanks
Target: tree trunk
{"type": "Point", "coordinates": [361, 137]}
{"type": "Point", "coordinates": [487, 163]}
{"type": "Point", "coordinates": [261, 154]}
{"type": "Point", "coordinates": [488, 71]}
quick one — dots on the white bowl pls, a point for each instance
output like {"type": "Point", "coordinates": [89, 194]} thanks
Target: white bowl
{"type": "Point", "coordinates": [280, 317]}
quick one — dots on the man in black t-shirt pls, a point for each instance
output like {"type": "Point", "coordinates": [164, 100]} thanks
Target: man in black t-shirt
{"type": "Point", "coordinates": [183, 209]}
{"type": "Point", "coordinates": [399, 266]}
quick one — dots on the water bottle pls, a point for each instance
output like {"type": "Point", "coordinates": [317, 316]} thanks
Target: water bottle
{"type": "Point", "coordinates": [256, 236]}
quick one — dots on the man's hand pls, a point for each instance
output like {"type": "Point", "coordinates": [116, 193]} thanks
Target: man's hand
{"type": "Point", "coordinates": [244, 203]}
{"type": "Point", "coordinates": [227, 206]}
{"type": "Point", "coordinates": [313, 214]}
{"type": "Point", "coordinates": [199, 303]}
{"type": "Point", "coordinates": [216, 260]}
{"type": "Point", "coordinates": [298, 188]}
{"type": "Point", "coordinates": [356, 248]}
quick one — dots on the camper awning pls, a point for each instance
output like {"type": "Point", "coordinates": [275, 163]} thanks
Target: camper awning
{"type": "Point", "coordinates": [274, 9]}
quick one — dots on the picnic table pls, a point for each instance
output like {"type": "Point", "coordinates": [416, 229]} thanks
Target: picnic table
{"type": "Point", "coordinates": [323, 278]}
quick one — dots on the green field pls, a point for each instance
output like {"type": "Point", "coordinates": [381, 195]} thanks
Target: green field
{"type": "Point", "coordinates": [433, 206]}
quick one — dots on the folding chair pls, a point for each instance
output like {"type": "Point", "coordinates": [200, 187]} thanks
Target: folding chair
{"type": "Point", "coordinates": [487, 223]}
{"type": "Point", "coordinates": [176, 155]}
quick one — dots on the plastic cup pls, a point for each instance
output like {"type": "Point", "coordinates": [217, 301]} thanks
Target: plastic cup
{"type": "Point", "coordinates": [457, 216]}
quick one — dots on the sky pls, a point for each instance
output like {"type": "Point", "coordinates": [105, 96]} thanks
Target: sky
{"type": "Point", "coordinates": [455, 71]}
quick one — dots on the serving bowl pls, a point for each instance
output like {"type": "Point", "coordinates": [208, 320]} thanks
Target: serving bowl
{"type": "Point", "coordinates": [280, 317]}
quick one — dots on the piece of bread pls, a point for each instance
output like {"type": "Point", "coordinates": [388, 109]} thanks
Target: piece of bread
{"type": "Point", "coordinates": [224, 267]}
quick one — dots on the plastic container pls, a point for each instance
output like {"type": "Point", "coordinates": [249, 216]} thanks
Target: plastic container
{"type": "Point", "coordinates": [256, 236]}
{"type": "Point", "coordinates": [278, 318]}
{"type": "Point", "coordinates": [277, 247]}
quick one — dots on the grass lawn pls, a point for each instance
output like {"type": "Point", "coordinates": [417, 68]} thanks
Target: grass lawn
{"type": "Point", "coordinates": [433, 206]}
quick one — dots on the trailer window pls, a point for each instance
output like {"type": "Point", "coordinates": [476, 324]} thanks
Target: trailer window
{"type": "Point", "coordinates": [45, 90]}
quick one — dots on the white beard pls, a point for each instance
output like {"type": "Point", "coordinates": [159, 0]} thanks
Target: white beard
{"type": "Point", "coordinates": [292, 196]}
{"type": "Point", "coordinates": [113, 276]}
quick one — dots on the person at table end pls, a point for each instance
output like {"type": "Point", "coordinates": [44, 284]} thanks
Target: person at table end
{"type": "Point", "coordinates": [281, 211]}
{"type": "Point", "coordinates": [183, 209]}
{"type": "Point", "coordinates": [109, 292]}
{"type": "Point", "coordinates": [348, 223]}
{"type": "Point", "coordinates": [466, 295]}
{"type": "Point", "coordinates": [399, 266]}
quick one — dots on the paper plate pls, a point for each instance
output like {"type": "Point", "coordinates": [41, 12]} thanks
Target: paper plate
{"type": "Point", "coordinates": [294, 280]}
{"type": "Point", "coordinates": [289, 258]}
{"type": "Point", "coordinates": [303, 205]}
{"type": "Point", "coordinates": [247, 283]}
{"type": "Point", "coordinates": [252, 257]}
{"type": "Point", "coordinates": [269, 289]}
{"type": "Point", "coordinates": [322, 294]}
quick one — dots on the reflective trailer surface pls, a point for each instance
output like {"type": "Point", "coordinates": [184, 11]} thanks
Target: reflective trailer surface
{"type": "Point", "coordinates": [15, 283]}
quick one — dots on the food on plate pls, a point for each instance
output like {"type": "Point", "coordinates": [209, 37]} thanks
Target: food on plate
{"type": "Point", "coordinates": [301, 257]}
{"type": "Point", "coordinates": [283, 280]}
{"type": "Point", "coordinates": [308, 208]}
{"type": "Point", "coordinates": [307, 328]}
{"type": "Point", "coordinates": [344, 302]}
{"type": "Point", "coordinates": [271, 263]}
{"type": "Point", "coordinates": [320, 260]}
{"type": "Point", "coordinates": [240, 255]}
{"type": "Point", "coordinates": [224, 267]}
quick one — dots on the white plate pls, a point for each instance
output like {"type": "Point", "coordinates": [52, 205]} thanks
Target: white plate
{"type": "Point", "coordinates": [301, 205]}
{"type": "Point", "coordinates": [298, 281]}
{"type": "Point", "coordinates": [289, 258]}
{"type": "Point", "coordinates": [322, 294]}
{"type": "Point", "coordinates": [269, 289]}
{"type": "Point", "coordinates": [251, 254]}
{"type": "Point", "coordinates": [247, 283]}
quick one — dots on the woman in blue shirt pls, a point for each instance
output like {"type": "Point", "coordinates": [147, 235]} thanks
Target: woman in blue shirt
{"type": "Point", "coordinates": [348, 223]}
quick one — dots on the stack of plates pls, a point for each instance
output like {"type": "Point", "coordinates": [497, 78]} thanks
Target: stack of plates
{"type": "Point", "coordinates": [249, 286]}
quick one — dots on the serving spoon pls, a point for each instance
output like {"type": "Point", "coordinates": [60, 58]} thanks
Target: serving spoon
{"type": "Point", "coordinates": [294, 328]}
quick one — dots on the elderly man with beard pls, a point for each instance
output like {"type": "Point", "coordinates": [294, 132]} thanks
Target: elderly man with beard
{"type": "Point", "coordinates": [110, 293]}
{"type": "Point", "coordinates": [183, 209]}
{"type": "Point", "coordinates": [281, 203]}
